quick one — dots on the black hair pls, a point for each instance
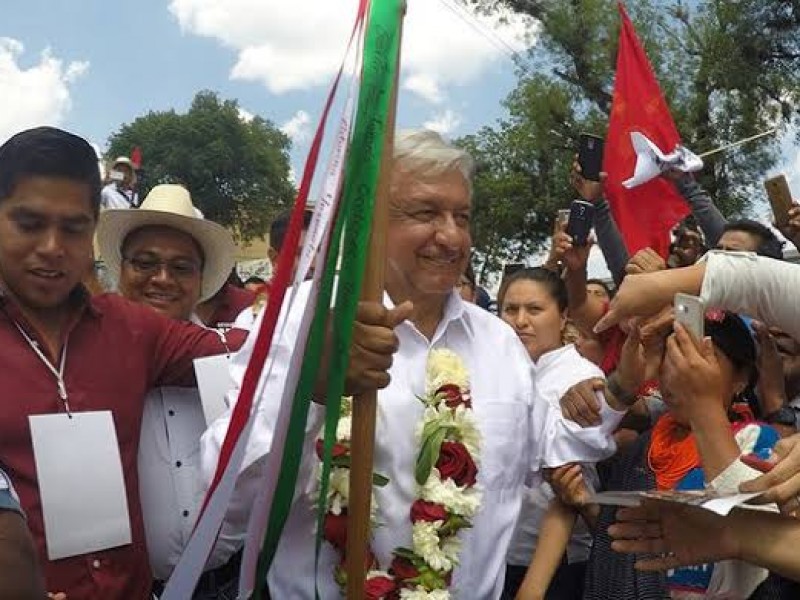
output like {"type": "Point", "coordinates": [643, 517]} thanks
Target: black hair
{"type": "Point", "coordinates": [554, 284]}
{"type": "Point", "coordinates": [769, 244]}
{"type": "Point", "coordinates": [254, 279]}
{"type": "Point", "coordinates": [49, 152]}
{"type": "Point", "coordinates": [469, 273]}
{"type": "Point", "coordinates": [732, 336]}
{"type": "Point", "coordinates": [279, 226]}
{"type": "Point", "coordinates": [609, 290]}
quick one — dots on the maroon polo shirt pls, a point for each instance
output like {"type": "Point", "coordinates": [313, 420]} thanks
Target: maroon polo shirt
{"type": "Point", "coordinates": [117, 351]}
{"type": "Point", "coordinates": [232, 302]}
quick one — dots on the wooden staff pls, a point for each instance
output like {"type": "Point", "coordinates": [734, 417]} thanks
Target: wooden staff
{"type": "Point", "coordinates": [362, 436]}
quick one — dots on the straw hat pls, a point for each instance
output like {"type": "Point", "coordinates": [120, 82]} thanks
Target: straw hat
{"type": "Point", "coordinates": [123, 160]}
{"type": "Point", "coordinates": [169, 206]}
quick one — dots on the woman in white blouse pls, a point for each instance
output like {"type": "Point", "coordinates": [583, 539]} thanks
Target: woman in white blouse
{"type": "Point", "coordinates": [534, 301]}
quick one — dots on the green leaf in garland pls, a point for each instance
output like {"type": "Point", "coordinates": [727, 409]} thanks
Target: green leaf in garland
{"type": "Point", "coordinates": [429, 454]}
{"type": "Point", "coordinates": [379, 480]}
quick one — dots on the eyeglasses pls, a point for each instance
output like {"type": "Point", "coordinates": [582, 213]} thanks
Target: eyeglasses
{"type": "Point", "coordinates": [178, 268]}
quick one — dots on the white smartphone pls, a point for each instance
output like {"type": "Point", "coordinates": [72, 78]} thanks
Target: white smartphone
{"type": "Point", "coordinates": [690, 311]}
{"type": "Point", "coordinates": [116, 175]}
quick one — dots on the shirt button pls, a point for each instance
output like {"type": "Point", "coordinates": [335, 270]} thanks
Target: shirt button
{"type": "Point", "coordinates": [96, 564]}
{"type": "Point", "coordinates": [171, 413]}
{"type": "Point", "coordinates": [178, 464]}
{"type": "Point", "coordinates": [186, 513]}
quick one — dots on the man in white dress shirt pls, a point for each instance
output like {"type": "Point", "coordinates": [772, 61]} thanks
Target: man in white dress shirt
{"type": "Point", "coordinates": [121, 191]}
{"type": "Point", "coordinates": [428, 247]}
{"type": "Point", "coordinates": [171, 259]}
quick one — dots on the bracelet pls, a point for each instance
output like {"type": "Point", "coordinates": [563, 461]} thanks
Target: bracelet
{"type": "Point", "coordinates": [612, 383]}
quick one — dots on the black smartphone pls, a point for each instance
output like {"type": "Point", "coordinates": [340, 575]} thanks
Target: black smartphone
{"type": "Point", "coordinates": [590, 156]}
{"type": "Point", "coordinates": [581, 219]}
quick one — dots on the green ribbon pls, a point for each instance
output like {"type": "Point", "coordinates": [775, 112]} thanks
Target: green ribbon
{"type": "Point", "coordinates": [351, 236]}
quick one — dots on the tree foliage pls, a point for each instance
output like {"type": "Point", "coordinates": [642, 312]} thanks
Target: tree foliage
{"type": "Point", "coordinates": [237, 170]}
{"type": "Point", "coordinates": [729, 69]}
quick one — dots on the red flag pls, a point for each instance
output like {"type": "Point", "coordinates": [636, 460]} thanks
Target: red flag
{"type": "Point", "coordinates": [644, 214]}
{"type": "Point", "coordinates": [136, 157]}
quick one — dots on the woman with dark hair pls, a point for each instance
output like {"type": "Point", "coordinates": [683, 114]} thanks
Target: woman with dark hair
{"type": "Point", "coordinates": [695, 445]}
{"type": "Point", "coordinates": [534, 302]}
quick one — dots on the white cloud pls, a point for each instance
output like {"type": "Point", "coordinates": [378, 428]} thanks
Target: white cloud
{"type": "Point", "coordinates": [297, 128]}
{"type": "Point", "coordinates": [297, 45]}
{"type": "Point", "coordinates": [38, 95]}
{"type": "Point", "coordinates": [246, 115]}
{"type": "Point", "coordinates": [444, 123]}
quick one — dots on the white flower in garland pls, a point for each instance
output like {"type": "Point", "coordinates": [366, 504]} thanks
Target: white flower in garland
{"type": "Point", "coordinates": [420, 593]}
{"type": "Point", "coordinates": [445, 367]}
{"type": "Point", "coordinates": [425, 538]}
{"type": "Point", "coordinates": [458, 500]}
{"type": "Point", "coordinates": [339, 490]}
{"type": "Point", "coordinates": [343, 429]}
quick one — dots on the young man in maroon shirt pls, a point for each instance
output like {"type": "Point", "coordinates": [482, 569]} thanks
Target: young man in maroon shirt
{"type": "Point", "coordinates": [64, 352]}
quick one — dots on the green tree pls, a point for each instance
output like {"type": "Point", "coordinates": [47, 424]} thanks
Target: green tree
{"type": "Point", "coordinates": [237, 170]}
{"type": "Point", "coordinates": [729, 69]}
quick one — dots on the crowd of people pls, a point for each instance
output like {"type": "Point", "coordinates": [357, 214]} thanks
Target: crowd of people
{"type": "Point", "coordinates": [575, 386]}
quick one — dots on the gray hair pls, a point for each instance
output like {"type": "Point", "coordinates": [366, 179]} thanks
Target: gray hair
{"type": "Point", "coordinates": [425, 152]}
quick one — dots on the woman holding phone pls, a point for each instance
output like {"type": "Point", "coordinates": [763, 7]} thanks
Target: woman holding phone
{"type": "Point", "coordinates": [697, 444]}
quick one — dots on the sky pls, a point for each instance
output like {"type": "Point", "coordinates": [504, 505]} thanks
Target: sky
{"type": "Point", "coordinates": [90, 66]}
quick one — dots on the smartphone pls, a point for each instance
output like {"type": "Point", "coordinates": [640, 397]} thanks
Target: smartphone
{"type": "Point", "coordinates": [690, 311]}
{"type": "Point", "coordinates": [590, 156]}
{"type": "Point", "coordinates": [579, 224]}
{"type": "Point", "coordinates": [116, 175]}
{"type": "Point", "coordinates": [780, 197]}
{"type": "Point", "coordinates": [511, 268]}
{"type": "Point", "coordinates": [563, 217]}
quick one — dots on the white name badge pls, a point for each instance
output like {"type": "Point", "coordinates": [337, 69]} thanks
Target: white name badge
{"type": "Point", "coordinates": [214, 381]}
{"type": "Point", "coordinates": [80, 483]}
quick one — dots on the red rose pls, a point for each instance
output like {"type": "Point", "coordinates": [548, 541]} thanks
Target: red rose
{"type": "Point", "coordinates": [335, 529]}
{"type": "Point", "coordinates": [338, 449]}
{"type": "Point", "coordinates": [453, 397]}
{"type": "Point", "coordinates": [427, 511]}
{"type": "Point", "coordinates": [402, 569]}
{"type": "Point", "coordinates": [378, 587]}
{"type": "Point", "coordinates": [456, 463]}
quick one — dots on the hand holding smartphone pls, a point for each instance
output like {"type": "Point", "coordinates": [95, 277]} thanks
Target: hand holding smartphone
{"type": "Point", "coordinates": [690, 312]}
{"type": "Point", "coordinates": [579, 224]}
{"type": "Point", "coordinates": [780, 198]}
{"type": "Point", "coordinates": [590, 156]}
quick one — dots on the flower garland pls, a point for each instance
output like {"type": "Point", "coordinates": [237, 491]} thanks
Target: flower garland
{"type": "Point", "coordinates": [448, 496]}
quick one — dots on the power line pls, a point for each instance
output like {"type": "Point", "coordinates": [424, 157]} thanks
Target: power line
{"type": "Point", "coordinates": [488, 34]}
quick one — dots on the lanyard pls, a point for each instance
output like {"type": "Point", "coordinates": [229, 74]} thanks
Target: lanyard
{"type": "Point", "coordinates": [58, 373]}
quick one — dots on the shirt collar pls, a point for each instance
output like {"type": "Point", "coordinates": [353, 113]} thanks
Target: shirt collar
{"type": "Point", "coordinates": [549, 358]}
{"type": "Point", "coordinates": [79, 297]}
{"type": "Point", "coordinates": [454, 310]}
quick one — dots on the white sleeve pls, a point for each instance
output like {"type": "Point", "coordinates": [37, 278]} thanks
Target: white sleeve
{"type": "Point", "coordinates": [564, 441]}
{"type": "Point", "coordinates": [754, 285]}
{"type": "Point", "coordinates": [264, 415]}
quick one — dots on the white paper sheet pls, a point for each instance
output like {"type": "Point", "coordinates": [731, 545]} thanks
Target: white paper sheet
{"type": "Point", "coordinates": [80, 483]}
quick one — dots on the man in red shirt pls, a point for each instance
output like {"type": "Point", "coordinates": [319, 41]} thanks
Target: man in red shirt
{"type": "Point", "coordinates": [67, 358]}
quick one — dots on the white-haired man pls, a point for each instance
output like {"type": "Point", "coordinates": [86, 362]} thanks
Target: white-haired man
{"type": "Point", "coordinates": [428, 247]}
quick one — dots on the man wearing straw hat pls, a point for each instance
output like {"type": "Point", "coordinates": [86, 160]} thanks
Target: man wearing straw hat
{"type": "Point", "coordinates": [165, 255]}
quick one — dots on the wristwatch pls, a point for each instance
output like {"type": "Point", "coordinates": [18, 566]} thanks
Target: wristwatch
{"type": "Point", "coordinates": [785, 415]}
